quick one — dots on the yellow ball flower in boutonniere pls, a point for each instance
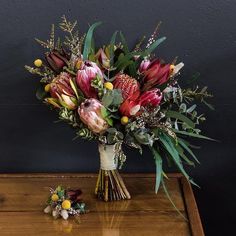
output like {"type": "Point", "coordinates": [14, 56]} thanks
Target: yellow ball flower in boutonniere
{"type": "Point", "coordinates": [124, 120]}
{"type": "Point", "coordinates": [108, 85]}
{"type": "Point", "coordinates": [66, 204]}
{"type": "Point", "coordinates": [55, 197]}
{"type": "Point", "coordinates": [38, 62]}
{"type": "Point", "coordinates": [47, 88]}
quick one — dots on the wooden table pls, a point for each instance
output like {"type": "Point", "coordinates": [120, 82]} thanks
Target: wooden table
{"type": "Point", "coordinates": [22, 198]}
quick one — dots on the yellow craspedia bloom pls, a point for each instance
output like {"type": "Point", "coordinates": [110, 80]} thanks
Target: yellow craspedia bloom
{"type": "Point", "coordinates": [38, 62]}
{"type": "Point", "coordinates": [78, 64]}
{"type": "Point", "coordinates": [54, 197]}
{"type": "Point", "coordinates": [66, 204]}
{"type": "Point", "coordinates": [108, 85]}
{"type": "Point", "coordinates": [124, 120]}
{"type": "Point", "coordinates": [47, 88]}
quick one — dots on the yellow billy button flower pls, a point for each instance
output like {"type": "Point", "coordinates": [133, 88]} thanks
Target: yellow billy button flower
{"type": "Point", "coordinates": [66, 204]}
{"type": "Point", "coordinates": [124, 120]}
{"type": "Point", "coordinates": [78, 64]}
{"type": "Point", "coordinates": [108, 85]}
{"type": "Point", "coordinates": [54, 197]}
{"type": "Point", "coordinates": [38, 62]}
{"type": "Point", "coordinates": [47, 88]}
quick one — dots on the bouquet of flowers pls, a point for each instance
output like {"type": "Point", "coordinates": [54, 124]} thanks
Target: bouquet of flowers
{"type": "Point", "coordinates": [120, 96]}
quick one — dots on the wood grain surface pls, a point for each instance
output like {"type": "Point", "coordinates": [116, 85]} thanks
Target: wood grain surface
{"type": "Point", "coordinates": [23, 197]}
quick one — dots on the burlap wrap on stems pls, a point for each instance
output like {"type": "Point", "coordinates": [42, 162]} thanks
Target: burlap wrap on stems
{"type": "Point", "coordinates": [110, 185]}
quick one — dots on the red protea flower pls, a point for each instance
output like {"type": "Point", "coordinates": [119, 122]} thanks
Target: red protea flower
{"type": "Point", "coordinates": [60, 89]}
{"type": "Point", "coordinates": [152, 97]}
{"type": "Point", "coordinates": [90, 114]}
{"type": "Point", "coordinates": [130, 106]}
{"type": "Point", "coordinates": [126, 84]}
{"type": "Point", "coordinates": [156, 74]}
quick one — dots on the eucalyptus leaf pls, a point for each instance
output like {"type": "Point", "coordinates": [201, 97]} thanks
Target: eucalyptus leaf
{"type": "Point", "coordinates": [179, 116]}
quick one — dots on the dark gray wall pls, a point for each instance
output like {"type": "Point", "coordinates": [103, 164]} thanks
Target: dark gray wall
{"type": "Point", "coordinates": [202, 33]}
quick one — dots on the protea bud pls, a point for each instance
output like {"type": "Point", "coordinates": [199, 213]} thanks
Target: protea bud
{"type": "Point", "coordinates": [88, 71]}
{"type": "Point", "coordinates": [152, 97]}
{"type": "Point", "coordinates": [144, 65]}
{"type": "Point", "coordinates": [90, 114]}
{"type": "Point", "coordinates": [127, 85]}
{"type": "Point", "coordinates": [102, 58]}
{"type": "Point", "coordinates": [156, 74]}
{"type": "Point", "coordinates": [56, 60]}
{"type": "Point", "coordinates": [60, 89]}
{"type": "Point", "coordinates": [130, 106]}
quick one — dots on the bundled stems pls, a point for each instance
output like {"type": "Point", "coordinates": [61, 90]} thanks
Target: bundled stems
{"type": "Point", "coordinates": [110, 186]}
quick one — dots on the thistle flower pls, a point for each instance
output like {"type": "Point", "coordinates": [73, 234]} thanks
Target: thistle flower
{"type": "Point", "coordinates": [88, 71]}
{"type": "Point", "coordinates": [90, 114]}
{"type": "Point", "coordinates": [152, 97]}
{"type": "Point", "coordinates": [156, 74]}
{"type": "Point", "coordinates": [61, 90]}
{"type": "Point", "coordinates": [127, 85]}
{"type": "Point", "coordinates": [56, 60]}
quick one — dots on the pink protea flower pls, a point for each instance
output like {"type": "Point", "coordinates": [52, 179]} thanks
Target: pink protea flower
{"type": "Point", "coordinates": [90, 114]}
{"type": "Point", "coordinates": [144, 65]}
{"type": "Point", "coordinates": [126, 84]}
{"type": "Point", "coordinates": [103, 59]}
{"type": "Point", "coordinates": [152, 97]}
{"type": "Point", "coordinates": [88, 71]}
{"type": "Point", "coordinates": [60, 89]}
{"type": "Point", "coordinates": [156, 74]}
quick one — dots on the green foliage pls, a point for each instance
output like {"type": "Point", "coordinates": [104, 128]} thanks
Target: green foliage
{"type": "Point", "coordinates": [89, 39]}
{"type": "Point", "coordinates": [112, 99]}
{"type": "Point", "coordinates": [97, 83]}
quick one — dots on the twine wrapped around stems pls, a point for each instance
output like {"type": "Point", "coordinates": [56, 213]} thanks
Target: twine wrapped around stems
{"type": "Point", "coordinates": [110, 186]}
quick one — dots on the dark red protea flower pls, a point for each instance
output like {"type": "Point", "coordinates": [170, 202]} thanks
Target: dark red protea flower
{"type": "Point", "coordinates": [126, 84]}
{"type": "Point", "coordinates": [152, 97]}
{"type": "Point", "coordinates": [156, 74]}
{"type": "Point", "coordinates": [56, 60]}
{"type": "Point", "coordinates": [75, 195]}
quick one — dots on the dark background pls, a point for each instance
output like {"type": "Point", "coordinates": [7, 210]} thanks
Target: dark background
{"type": "Point", "coordinates": [202, 33]}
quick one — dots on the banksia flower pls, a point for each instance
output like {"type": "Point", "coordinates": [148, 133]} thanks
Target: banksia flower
{"type": "Point", "coordinates": [152, 97]}
{"type": "Point", "coordinates": [88, 71]}
{"type": "Point", "coordinates": [56, 60]}
{"type": "Point", "coordinates": [156, 74]}
{"type": "Point", "coordinates": [90, 114]}
{"type": "Point", "coordinates": [127, 85]}
{"type": "Point", "coordinates": [60, 89]}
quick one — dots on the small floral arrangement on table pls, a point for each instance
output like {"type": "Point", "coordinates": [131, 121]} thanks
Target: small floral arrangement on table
{"type": "Point", "coordinates": [120, 96]}
{"type": "Point", "coordinates": [64, 203]}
